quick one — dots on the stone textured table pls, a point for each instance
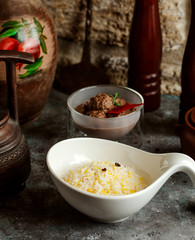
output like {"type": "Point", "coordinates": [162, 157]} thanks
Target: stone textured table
{"type": "Point", "coordinates": [39, 212]}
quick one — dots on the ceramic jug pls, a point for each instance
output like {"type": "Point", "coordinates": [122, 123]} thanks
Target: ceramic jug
{"type": "Point", "coordinates": [187, 97]}
{"type": "Point", "coordinates": [14, 150]}
{"type": "Point", "coordinates": [26, 26]}
{"type": "Point", "coordinates": [187, 136]}
{"type": "Point", "coordinates": [145, 52]}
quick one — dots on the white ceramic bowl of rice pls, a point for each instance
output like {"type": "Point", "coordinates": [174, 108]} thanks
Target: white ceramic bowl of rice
{"type": "Point", "coordinates": [111, 181]}
{"type": "Point", "coordinates": [102, 203]}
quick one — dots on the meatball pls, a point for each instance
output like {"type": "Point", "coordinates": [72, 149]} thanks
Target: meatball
{"type": "Point", "coordinates": [101, 101]}
{"type": "Point", "coordinates": [120, 101]}
{"type": "Point", "coordinates": [100, 105]}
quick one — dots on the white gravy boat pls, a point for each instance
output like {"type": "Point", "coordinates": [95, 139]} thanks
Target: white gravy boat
{"type": "Point", "coordinates": [156, 168]}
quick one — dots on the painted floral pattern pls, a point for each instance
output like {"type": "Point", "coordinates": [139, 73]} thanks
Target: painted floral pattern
{"type": "Point", "coordinates": [25, 36]}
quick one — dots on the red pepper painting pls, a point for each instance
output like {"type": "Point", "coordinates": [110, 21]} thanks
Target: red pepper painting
{"type": "Point", "coordinates": [25, 36]}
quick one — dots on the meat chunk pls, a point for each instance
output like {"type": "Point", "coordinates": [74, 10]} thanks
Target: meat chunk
{"type": "Point", "coordinates": [97, 114]}
{"type": "Point", "coordinates": [101, 101]}
{"type": "Point", "coordinates": [120, 101]}
{"type": "Point", "coordinates": [81, 108]}
{"type": "Point", "coordinates": [100, 105]}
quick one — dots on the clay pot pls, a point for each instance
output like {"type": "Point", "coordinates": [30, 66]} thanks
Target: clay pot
{"type": "Point", "coordinates": [187, 136]}
{"type": "Point", "coordinates": [26, 26]}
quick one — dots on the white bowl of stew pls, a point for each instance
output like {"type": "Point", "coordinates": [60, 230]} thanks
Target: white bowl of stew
{"type": "Point", "coordinates": [112, 128]}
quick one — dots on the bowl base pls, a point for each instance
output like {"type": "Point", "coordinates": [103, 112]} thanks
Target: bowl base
{"type": "Point", "coordinates": [134, 138]}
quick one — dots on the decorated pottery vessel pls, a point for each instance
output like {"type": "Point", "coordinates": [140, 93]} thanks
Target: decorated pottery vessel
{"type": "Point", "coordinates": [27, 27]}
{"type": "Point", "coordinates": [187, 136]}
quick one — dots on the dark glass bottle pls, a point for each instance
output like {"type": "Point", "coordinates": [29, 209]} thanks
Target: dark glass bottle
{"type": "Point", "coordinates": [187, 97]}
{"type": "Point", "coordinates": [145, 52]}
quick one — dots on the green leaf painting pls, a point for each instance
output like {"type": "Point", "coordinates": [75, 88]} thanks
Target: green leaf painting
{"type": "Point", "coordinates": [27, 74]}
{"type": "Point", "coordinates": [43, 45]}
{"type": "Point", "coordinates": [37, 23]}
{"type": "Point", "coordinates": [12, 24]}
{"type": "Point", "coordinates": [32, 68]}
{"type": "Point", "coordinates": [26, 31]}
{"type": "Point", "coordinates": [9, 33]}
{"type": "Point", "coordinates": [35, 65]}
{"type": "Point", "coordinates": [26, 24]}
